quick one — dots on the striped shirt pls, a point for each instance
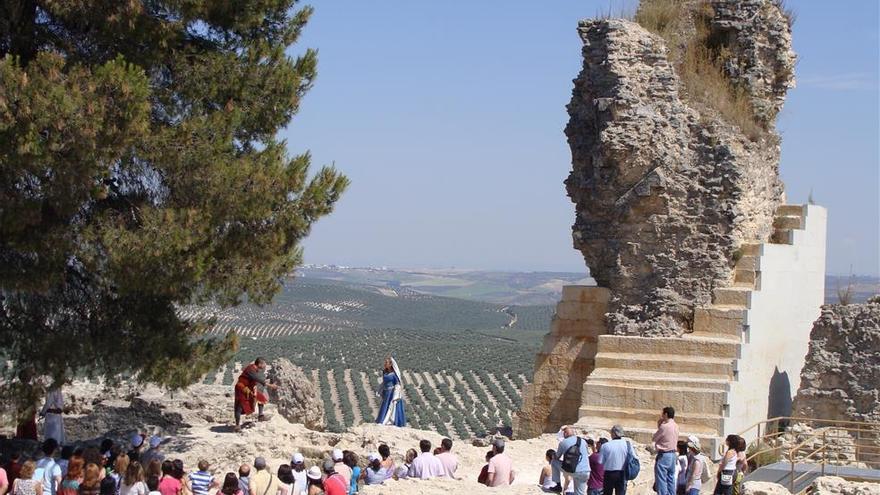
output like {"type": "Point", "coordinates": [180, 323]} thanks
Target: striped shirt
{"type": "Point", "coordinates": [201, 481]}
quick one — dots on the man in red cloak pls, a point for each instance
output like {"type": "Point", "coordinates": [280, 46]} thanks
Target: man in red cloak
{"type": "Point", "coordinates": [249, 394]}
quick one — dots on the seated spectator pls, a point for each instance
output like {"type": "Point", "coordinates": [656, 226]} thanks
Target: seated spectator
{"type": "Point", "coordinates": [426, 465]}
{"type": "Point", "coordinates": [262, 481]}
{"type": "Point", "coordinates": [483, 477]}
{"type": "Point", "coordinates": [334, 483]}
{"type": "Point", "coordinates": [350, 459]}
{"type": "Point", "coordinates": [4, 481]}
{"type": "Point", "coordinates": [153, 485]}
{"type": "Point", "coordinates": [447, 459]}
{"type": "Point", "coordinates": [13, 468]}
{"type": "Point", "coordinates": [168, 484]}
{"type": "Point", "coordinates": [107, 487]}
{"type": "Point", "coordinates": [374, 473]}
{"type": "Point", "coordinates": [402, 472]}
{"type": "Point", "coordinates": [341, 467]}
{"type": "Point", "coordinates": [500, 471]}
{"type": "Point", "coordinates": [93, 484]}
{"type": "Point", "coordinates": [387, 461]}
{"type": "Point", "coordinates": [119, 469]}
{"type": "Point", "coordinates": [133, 483]}
{"type": "Point", "coordinates": [545, 480]}
{"type": "Point", "coordinates": [202, 481]}
{"type": "Point", "coordinates": [24, 485]}
{"type": "Point", "coordinates": [66, 454]}
{"type": "Point", "coordinates": [244, 472]}
{"type": "Point", "coordinates": [298, 465]}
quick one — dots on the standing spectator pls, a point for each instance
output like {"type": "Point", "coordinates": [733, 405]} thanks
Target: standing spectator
{"type": "Point", "coordinates": [73, 478]}
{"type": "Point", "coordinates": [696, 466]}
{"type": "Point", "coordinates": [334, 483]}
{"type": "Point", "coordinates": [4, 481]}
{"type": "Point", "coordinates": [66, 454]}
{"type": "Point", "coordinates": [13, 468]}
{"type": "Point", "coordinates": [168, 484]}
{"type": "Point", "coordinates": [315, 481]}
{"type": "Point", "coordinates": [25, 484]}
{"type": "Point", "coordinates": [107, 486]}
{"type": "Point", "coordinates": [681, 468]}
{"type": "Point", "coordinates": [48, 472]}
{"type": "Point", "coordinates": [387, 461]}
{"type": "Point", "coordinates": [483, 477]}
{"type": "Point", "coordinates": [154, 452]}
{"type": "Point", "coordinates": [120, 467]}
{"type": "Point", "coordinates": [92, 483]}
{"type": "Point", "coordinates": [665, 440]}
{"type": "Point", "coordinates": [742, 465]}
{"type": "Point", "coordinates": [285, 479]}
{"type": "Point", "coordinates": [300, 483]}
{"type": "Point", "coordinates": [447, 458]}
{"type": "Point", "coordinates": [596, 483]}
{"type": "Point", "coordinates": [727, 467]}
{"type": "Point", "coordinates": [230, 485]}
{"type": "Point", "coordinates": [426, 465]}
{"type": "Point", "coordinates": [580, 467]}
{"type": "Point", "coordinates": [262, 481]}
{"type": "Point", "coordinates": [341, 468]}
{"type": "Point", "coordinates": [500, 472]}
{"type": "Point", "coordinates": [133, 483]}
{"type": "Point", "coordinates": [350, 459]}
{"type": "Point", "coordinates": [137, 447]}
{"type": "Point", "coordinates": [153, 485]}
{"type": "Point", "coordinates": [545, 480]}
{"type": "Point", "coordinates": [244, 480]}
{"type": "Point", "coordinates": [202, 481]}
{"type": "Point", "coordinates": [612, 456]}
{"type": "Point", "coordinates": [402, 472]}
{"type": "Point", "coordinates": [374, 473]}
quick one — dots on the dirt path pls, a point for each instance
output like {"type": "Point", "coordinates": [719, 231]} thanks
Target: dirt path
{"type": "Point", "coordinates": [371, 394]}
{"type": "Point", "coordinates": [489, 395]}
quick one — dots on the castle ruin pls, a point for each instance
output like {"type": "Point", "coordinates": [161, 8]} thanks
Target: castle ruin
{"type": "Point", "coordinates": [707, 283]}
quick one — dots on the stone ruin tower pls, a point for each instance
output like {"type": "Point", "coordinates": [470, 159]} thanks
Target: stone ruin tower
{"type": "Point", "coordinates": [707, 283]}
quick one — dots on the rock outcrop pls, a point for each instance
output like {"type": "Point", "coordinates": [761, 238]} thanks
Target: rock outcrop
{"type": "Point", "coordinates": [666, 188]}
{"type": "Point", "coordinates": [297, 398]}
{"type": "Point", "coordinates": [841, 376]}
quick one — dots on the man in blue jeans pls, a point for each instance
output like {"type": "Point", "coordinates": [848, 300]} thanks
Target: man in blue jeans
{"type": "Point", "coordinates": [665, 443]}
{"type": "Point", "coordinates": [581, 474]}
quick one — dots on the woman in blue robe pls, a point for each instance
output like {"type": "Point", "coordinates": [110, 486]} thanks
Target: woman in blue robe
{"type": "Point", "coordinates": [391, 411]}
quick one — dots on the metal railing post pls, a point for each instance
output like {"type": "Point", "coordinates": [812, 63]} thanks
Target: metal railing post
{"type": "Point", "coordinates": [824, 453]}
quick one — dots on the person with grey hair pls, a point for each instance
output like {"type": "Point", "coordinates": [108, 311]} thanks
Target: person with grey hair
{"type": "Point", "coordinates": [334, 483]}
{"type": "Point", "coordinates": [500, 471]}
{"type": "Point", "coordinates": [575, 457]}
{"type": "Point", "coordinates": [262, 482]}
{"type": "Point", "coordinates": [612, 457]}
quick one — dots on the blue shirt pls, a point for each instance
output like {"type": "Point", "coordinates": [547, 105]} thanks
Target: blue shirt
{"type": "Point", "coordinates": [584, 464]}
{"type": "Point", "coordinates": [612, 455]}
{"type": "Point", "coordinates": [201, 482]}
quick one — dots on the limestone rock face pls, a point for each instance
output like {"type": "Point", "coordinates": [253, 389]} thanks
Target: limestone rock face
{"type": "Point", "coordinates": [666, 191]}
{"type": "Point", "coordinates": [841, 376]}
{"type": "Point", "coordinates": [297, 397]}
{"type": "Point", "coordinates": [833, 485]}
{"type": "Point", "coordinates": [764, 488]}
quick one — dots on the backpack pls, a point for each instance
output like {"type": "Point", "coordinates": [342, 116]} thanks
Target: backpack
{"type": "Point", "coordinates": [631, 466]}
{"type": "Point", "coordinates": [572, 457]}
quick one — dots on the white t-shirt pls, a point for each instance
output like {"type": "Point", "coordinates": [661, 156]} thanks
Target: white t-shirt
{"type": "Point", "coordinates": [139, 488]}
{"type": "Point", "coordinates": [300, 483]}
{"type": "Point", "coordinates": [46, 472]}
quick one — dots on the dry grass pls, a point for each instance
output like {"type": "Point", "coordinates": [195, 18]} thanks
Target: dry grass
{"type": "Point", "coordinates": [700, 60]}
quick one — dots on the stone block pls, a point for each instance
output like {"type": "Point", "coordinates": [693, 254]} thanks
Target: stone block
{"type": "Point", "coordinates": [585, 293]}
{"type": "Point", "coordinates": [577, 328]}
{"type": "Point", "coordinates": [708, 322]}
{"type": "Point", "coordinates": [568, 310]}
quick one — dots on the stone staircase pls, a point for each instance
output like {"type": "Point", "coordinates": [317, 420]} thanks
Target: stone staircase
{"type": "Point", "coordinates": [635, 377]}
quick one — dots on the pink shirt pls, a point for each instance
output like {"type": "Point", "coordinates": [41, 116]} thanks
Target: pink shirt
{"type": "Point", "coordinates": [4, 481]}
{"type": "Point", "coordinates": [666, 437]}
{"type": "Point", "coordinates": [449, 462]}
{"type": "Point", "coordinates": [501, 465]}
{"type": "Point", "coordinates": [426, 466]}
{"type": "Point", "coordinates": [169, 485]}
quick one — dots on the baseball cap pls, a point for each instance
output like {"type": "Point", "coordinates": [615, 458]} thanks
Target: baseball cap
{"type": "Point", "coordinates": [297, 458]}
{"type": "Point", "coordinates": [329, 465]}
{"type": "Point", "coordinates": [498, 442]}
{"type": "Point", "coordinates": [137, 440]}
{"type": "Point", "coordinates": [337, 455]}
{"type": "Point", "coordinates": [374, 457]}
{"type": "Point", "coordinates": [313, 473]}
{"type": "Point", "coordinates": [155, 441]}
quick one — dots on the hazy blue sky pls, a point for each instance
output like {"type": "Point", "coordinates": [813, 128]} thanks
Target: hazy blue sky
{"type": "Point", "coordinates": [448, 118]}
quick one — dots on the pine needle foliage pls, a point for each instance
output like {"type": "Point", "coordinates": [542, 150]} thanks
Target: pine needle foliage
{"type": "Point", "coordinates": [139, 171]}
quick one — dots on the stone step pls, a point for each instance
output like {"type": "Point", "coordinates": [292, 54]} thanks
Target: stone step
{"type": "Point", "coordinates": [732, 296]}
{"type": "Point", "coordinates": [749, 263]}
{"type": "Point", "coordinates": [736, 339]}
{"type": "Point", "coordinates": [695, 365]}
{"type": "Point", "coordinates": [612, 376]}
{"type": "Point", "coordinates": [684, 399]}
{"type": "Point", "coordinates": [746, 278]}
{"type": "Point", "coordinates": [750, 249]}
{"type": "Point", "coordinates": [682, 347]}
{"type": "Point", "coordinates": [782, 236]}
{"type": "Point", "coordinates": [713, 320]}
{"type": "Point", "coordinates": [706, 424]}
{"type": "Point", "coordinates": [788, 222]}
{"type": "Point", "coordinates": [790, 210]}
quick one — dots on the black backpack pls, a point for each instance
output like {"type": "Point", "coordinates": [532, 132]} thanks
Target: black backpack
{"type": "Point", "coordinates": [572, 457]}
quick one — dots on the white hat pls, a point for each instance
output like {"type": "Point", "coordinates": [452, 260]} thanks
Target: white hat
{"type": "Point", "coordinates": [337, 455]}
{"type": "Point", "coordinates": [298, 458]}
{"type": "Point", "coordinates": [374, 457]}
{"type": "Point", "coordinates": [313, 473]}
{"type": "Point", "coordinates": [137, 440]}
{"type": "Point", "coordinates": [155, 441]}
{"type": "Point", "coordinates": [694, 443]}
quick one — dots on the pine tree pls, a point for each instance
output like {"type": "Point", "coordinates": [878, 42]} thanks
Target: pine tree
{"type": "Point", "coordinates": [139, 171]}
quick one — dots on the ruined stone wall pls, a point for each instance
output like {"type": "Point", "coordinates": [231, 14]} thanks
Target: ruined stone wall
{"type": "Point", "coordinates": [841, 376]}
{"type": "Point", "coordinates": [665, 190]}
